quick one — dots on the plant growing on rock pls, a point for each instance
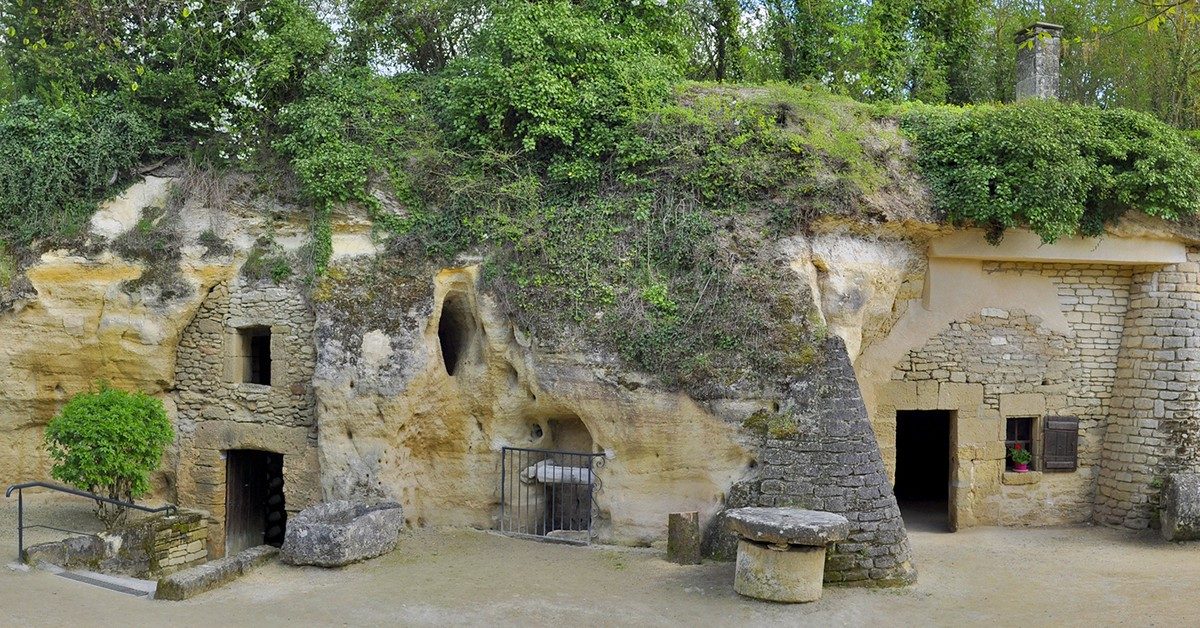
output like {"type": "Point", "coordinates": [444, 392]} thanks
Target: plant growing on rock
{"type": "Point", "coordinates": [107, 441]}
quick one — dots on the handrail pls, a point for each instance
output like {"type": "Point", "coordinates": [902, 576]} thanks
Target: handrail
{"type": "Point", "coordinates": [19, 488]}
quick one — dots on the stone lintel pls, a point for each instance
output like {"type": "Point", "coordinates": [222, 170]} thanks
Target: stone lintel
{"type": "Point", "coordinates": [1020, 245]}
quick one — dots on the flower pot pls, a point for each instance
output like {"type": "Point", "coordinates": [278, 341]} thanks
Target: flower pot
{"type": "Point", "coordinates": [1021, 467]}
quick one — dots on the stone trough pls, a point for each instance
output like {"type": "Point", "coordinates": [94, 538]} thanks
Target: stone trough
{"type": "Point", "coordinates": [342, 532]}
{"type": "Point", "coordinates": [781, 551]}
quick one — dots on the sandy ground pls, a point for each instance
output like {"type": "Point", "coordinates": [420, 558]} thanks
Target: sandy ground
{"type": "Point", "coordinates": [1078, 576]}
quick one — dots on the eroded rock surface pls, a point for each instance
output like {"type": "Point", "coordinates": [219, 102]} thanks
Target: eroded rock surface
{"type": "Point", "coordinates": [341, 532]}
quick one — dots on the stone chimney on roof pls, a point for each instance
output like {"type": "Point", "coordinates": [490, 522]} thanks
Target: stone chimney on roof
{"type": "Point", "coordinates": [1039, 53]}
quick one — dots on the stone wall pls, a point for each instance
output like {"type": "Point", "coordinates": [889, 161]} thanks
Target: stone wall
{"type": "Point", "coordinates": [218, 411]}
{"type": "Point", "coordinates": [832, 464]}
{"type": "Point", "coordinates": [149, 547]}
{"type": "Point", "coordinates": [1025, 368]}
{"type": "Point", "coordinates": [1154, 427]}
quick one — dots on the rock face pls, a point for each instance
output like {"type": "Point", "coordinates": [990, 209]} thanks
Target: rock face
{"type": "Point", "coordinates": [418, 390]}
{"type": "Point", "coordinates": [342, 532]}
{"type": "Point", "coordinates": [788, 526]}
{"type": "Point", "coordinates": [1180, 514]}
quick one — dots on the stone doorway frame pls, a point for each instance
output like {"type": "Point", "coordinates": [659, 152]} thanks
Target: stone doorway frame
{"type": "Point", "coordinates": [972, 435]}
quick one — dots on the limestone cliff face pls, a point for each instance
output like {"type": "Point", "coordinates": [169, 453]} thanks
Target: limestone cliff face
{"type": "Point", "coordinates": [74, 324]}
{"type": "Point", "coordinates": [418, 408]}
{"type": "Point", "coordinates": [390, 379]}
{"type": "Point", "coordinates": [102, 312]}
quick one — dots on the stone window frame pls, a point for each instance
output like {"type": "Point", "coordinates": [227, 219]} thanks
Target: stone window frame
{"type": "Point", "coordinates": [1033, 444]}
{"type": "Point", "coordinates": [1024, 406]}
{"type": "Point", "coordinates": [235, 359]}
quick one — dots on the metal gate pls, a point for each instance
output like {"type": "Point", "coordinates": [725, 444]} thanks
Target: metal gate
{"type": "Point", "coordinates": [548, 494]}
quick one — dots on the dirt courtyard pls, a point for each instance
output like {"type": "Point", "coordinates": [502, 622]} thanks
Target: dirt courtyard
{"type": "Point", "coordinates": [1079, 576]}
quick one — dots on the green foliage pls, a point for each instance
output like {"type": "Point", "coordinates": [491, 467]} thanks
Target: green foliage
{"type": "Point", "coordinates": [548, 77]}
{"type": "Point", "coordinates": [267, 260]}
{"type": "Point", "coordinates": [667, 261]}
{"type": "Point", "coordinates": [1059, 169]}
{"type": "Point", "coordinates": [7, 268]}
{"type": "Point", "coordinates": [60, 161]}
{"type": "Point", "coordinates": [423, 36]}
{"type": "Point", "coordinates": [107, 442]}
{"type": "Point", "coordinates": [211, 71]}
{"type": "Point", "coordinates": [350, 126]}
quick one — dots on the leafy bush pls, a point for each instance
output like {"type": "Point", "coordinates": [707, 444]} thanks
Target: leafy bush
{"type": "Point", "coordinates": [60, 161]}
{"type": "Point", "coordinates": [548, 76]}
{"type": "Point", "coordinates": [1060, 169]}
{"type": "Point", "coordinates": [108, 442]}
{"type": "Point", "coordinates": [208, 73]}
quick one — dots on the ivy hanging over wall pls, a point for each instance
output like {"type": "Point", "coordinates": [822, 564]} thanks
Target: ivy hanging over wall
{"type": "Point", "coordinates": [1058, 168]}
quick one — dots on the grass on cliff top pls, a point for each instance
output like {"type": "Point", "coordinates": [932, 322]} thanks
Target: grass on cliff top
{"type": "Point", "coordinates": [668, 255]}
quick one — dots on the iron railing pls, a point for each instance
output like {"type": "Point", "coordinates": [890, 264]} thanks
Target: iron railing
{"type": "Point", "coordinates": [548, 494]}
{"type": "Point", "coordinates": [21, 527]}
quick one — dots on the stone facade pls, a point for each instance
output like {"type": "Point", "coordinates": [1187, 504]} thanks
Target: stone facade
{"type": "Point", "coordinates": [1025, 368]}
{"type": "Point", "coordinates": [1155, 421]}
{"type": "Point", "coordinates": [218, 411]}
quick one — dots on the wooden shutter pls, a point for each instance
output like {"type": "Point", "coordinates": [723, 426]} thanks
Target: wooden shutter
{"type": "Point", "coordinates": [1060, 443]}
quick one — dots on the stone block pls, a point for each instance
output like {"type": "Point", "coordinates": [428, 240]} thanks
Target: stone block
{"type": "Point", "coordinates": [1012, 478]}
{"type": "Point", "coordinates": [790, 526]}
{"type": "Point", "coordinates": [779, 573]}
{"type": "Point", "coordinates": [683, 538]}
{"type": "Point", "coordinates": [1180, 510]}
{"type": "Point", "coordinates": [191, 582]}
{"type": "Point", "coordinates": [341, 532]}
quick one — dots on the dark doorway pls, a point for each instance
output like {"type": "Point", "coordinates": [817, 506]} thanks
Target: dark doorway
{"type": "Point", "coordinates": [923, 468]}
{"type": "Point", "coordinates": [254, 508]}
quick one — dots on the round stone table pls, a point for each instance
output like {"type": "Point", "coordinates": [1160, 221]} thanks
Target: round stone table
{"type": "Point", "coordinates": [781, 551]}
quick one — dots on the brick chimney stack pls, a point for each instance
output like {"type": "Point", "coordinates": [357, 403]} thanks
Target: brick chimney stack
{"type": "Point", "coordinates": [1039, 53]}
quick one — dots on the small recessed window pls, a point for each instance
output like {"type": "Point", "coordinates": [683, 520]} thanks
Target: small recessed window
{"type": "Point", "coordinates": [1019, 431]}
{"type": "Point", "coordinates": [256, 355]}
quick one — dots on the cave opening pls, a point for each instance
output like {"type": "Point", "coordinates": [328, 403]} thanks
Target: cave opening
{"type": "Point", "coordinates": [456, 328]}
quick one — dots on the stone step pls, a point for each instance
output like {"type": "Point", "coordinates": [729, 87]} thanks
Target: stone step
{"type": "Point", "coordinates": [119, 584]}
{"type": "Point", "coordinates": [193, 581]}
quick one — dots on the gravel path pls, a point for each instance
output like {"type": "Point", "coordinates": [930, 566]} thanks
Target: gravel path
{"type": "Point", "coordinates": [1079, 576]}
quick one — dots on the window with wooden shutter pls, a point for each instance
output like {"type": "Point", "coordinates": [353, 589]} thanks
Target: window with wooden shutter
{"type": "Point", "coordinates": [1060, 443]}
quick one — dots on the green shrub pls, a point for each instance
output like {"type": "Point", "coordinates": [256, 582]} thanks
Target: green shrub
{"type": "Point", "coordinates": [107, 442]}
{"type": "Point", "coordinates": [60, 162]}
{"type": "Point", "coordinates": [551, 77]}
{"type": "Point", "coordinates": [1059, 169]}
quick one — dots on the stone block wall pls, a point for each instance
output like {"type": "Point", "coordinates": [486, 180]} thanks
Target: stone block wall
{"type": "Point", "coordinates": [179, 543]}
{"type": "Point", "coordinates": [1025, 367]}
{"type": "Point", "coordinates": [1154, 428]}
{"type": "Point", "coordinates": [833, 464]}
{"type": "Point", "coordinates": [218, 411]}
{"type": "Point", "coordinates": [149, 547]}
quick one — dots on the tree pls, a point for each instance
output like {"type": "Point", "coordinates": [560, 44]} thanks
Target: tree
{"type": "Point", "coordinates": [805, 35]}
{"type": "Point", "coordinates": [549, 77]}
{"type": "Point", "coordinates": [420, 35]}
{"type": "Point", "coordinates": [715, 30]}
{"type": "Point", "coordinates": [107, 442]}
